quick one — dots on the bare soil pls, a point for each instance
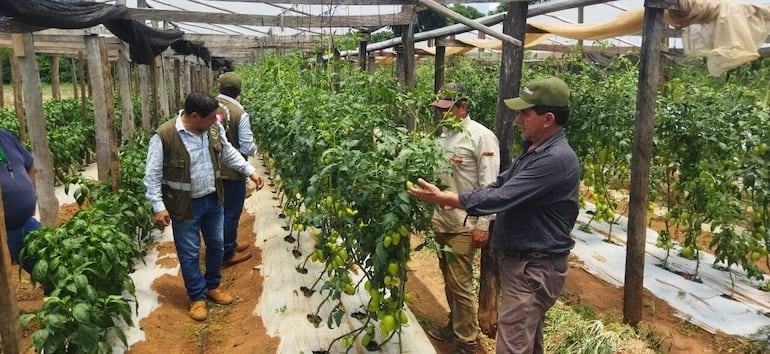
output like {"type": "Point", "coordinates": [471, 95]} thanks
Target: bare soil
{"type": "Point", "coordinates": [235, 328]}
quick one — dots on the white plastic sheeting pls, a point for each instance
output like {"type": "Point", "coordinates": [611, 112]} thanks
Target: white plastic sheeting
{"type": "Point", "coordinates": [702, 304]}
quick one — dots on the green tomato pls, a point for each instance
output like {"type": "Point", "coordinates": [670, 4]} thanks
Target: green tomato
{"type": "Point", "coordinates": [393, 268]}
{"type": "Point", "coordinates": [387, 324]}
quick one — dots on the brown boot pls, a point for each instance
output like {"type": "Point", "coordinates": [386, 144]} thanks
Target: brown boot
{"type": "Point", "coordinates": [240, 247]}
{"type": "Point", "coordinates": [220, 296]}
{"type": "Point", "coordinates": [198, 310]}
{"type": "Point", "coordinates": [235, 259]}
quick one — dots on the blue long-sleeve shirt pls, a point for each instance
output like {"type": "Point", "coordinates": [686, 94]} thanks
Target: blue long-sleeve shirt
{"type": "Point", "coordinates": [536, 199]}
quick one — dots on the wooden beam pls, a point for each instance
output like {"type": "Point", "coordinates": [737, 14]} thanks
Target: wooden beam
{"type": "Point", "coordinates": [644, 124]}
{"type": "Point", "coordinates": [10, 327]}
{"type": "Point", "coordinates": [535, 10]}
{"type": "Point", "coordinates": [400, 18]}
{"type": "Point", "coordinates": [442, 10]}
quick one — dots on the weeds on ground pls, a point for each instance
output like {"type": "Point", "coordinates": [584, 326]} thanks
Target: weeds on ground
{"type": "Point", "coordinates": [569, 331]}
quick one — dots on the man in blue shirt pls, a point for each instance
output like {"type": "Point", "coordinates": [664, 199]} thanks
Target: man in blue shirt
{"type": "Point", "coordinates": [182, 177]}
{"type": "Point", "coordinates": [536, 201]}
{"type": "Point", "coordinates": [19, 202]}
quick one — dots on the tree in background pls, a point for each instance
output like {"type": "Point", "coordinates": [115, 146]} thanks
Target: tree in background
{"type": "Point", "coordinates": [465, 10]}
{"type": "Point", "coordinates": [503, 6]}
{"type": "Point", "coordinates": [426, 20]}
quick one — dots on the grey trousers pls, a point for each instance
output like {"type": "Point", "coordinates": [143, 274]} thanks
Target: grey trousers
{"type": "Point", "coordinates": [529, 289]}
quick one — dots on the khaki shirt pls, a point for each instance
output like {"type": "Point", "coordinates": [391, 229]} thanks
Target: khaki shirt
{"type": "Point", "coordinates": [474, 156]}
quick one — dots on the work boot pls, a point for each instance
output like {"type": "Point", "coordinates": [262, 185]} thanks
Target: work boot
{"type": "Point", "coordinates": [198, 310]}
{"type": "Point", "coordinates": [241, 246]}
{"type": "Point", "coordinates": [235, 259]}
{"type": "Point", "coordinates": [220, 296]}
{"type": "Point", "coordinates": [443, 334]}
{"type": "Point", "coordinates": [465, 348]}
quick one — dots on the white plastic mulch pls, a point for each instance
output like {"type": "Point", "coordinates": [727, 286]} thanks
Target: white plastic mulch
{"type": "Point", "coordinates": [702, 304]}
{"type": "Point", "coordinates": [284, 308]}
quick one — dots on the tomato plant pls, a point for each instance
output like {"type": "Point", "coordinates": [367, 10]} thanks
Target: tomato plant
{"type": "Point", "coordinates": [343, 159]}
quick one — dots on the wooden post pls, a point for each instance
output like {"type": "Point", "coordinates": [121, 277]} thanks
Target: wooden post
{"type": "Point", "coordinates": [127, 126]}
{"type": "Point", "coordinates": [82, 78]}
{"type": "Point", "coordinates": [644, 123]}
{"type": "Point", "coordinates": [580, 20]}
{"type": "Point", "coordinates": [336, 70]}
{"type": "Point", "coordinates": [438, 80]}
{"type": "Point", "coordinates": [104, 122]}
{"type": "Point", "coordinates": [407, 37]}
{"type": "Point", "coordinates": [55, 85]}
{"type": "Point", "coordinates": [18, 99]}
{"type": "Point", "coordinates": [178, 79]}
{"type": "Point", "coordinates": [144, 99]}
{"type": "Point", "coordinates": [400, 64]}
{"type": "Point", "coordinates": [162, 93]}
{"type": "Point", "coordinates": [510, 79]}
{"type": "Point", "coordinates": [372, 63]}
{"type": "Point", "coordinates": [155, 108]}
{"type": "Point", "coordinates": [47, 203]}
{"type": "Point", "coordinates": [187, 80]}
{"type": "Point", "coordinates": [10, 327]}
{"type": "Point", "coordinates": [73, 75]}
{"type": "Point", "coordinates": [365, 36]}
{"type": "Point", "coordinates": [109, 140]}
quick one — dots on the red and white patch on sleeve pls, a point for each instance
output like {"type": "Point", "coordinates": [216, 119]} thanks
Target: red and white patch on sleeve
{"type": "Point", "coordinates": [489, 153]}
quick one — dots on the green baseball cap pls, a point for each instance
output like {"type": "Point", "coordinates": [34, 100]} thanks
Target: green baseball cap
{"type": "Point", "coordinates": [229, 79]}
{"type": "Point", "coordinates": [549, 91]}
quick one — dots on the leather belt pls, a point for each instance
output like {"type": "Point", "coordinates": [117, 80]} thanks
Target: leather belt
{"type": "Point", "coordinates": [533, 255]}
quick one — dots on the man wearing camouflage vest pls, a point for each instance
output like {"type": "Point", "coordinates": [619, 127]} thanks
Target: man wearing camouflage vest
{"type": "Point", "coordinates": [182, 176]}
{"type": "Point", "coordinates": [237, 126]}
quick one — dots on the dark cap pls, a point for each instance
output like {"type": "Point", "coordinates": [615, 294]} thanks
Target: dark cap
{"type": "Point", "coordinates": [449, 93]}
{"type": "Point", "coordinates": [229, 79]}
{"type": "Point", "coordinates": [549, 91]}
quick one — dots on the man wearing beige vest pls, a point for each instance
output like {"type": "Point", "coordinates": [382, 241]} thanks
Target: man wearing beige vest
{"type": "Point", "coordinates": [237, 126]}
{"type": "Point", "coordinates": [182, 177]}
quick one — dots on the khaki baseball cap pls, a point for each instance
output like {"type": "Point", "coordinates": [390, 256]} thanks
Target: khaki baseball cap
{"type": "Point", "coordinates": [549, 91]}
{"type": "Point", "coordinates": [449, 93]}
{"type": "Point", "coordinates": [229, 79]}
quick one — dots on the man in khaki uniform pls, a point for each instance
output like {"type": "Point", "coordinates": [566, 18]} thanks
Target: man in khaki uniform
{"type": "Point", "coordinates": [474, 156]}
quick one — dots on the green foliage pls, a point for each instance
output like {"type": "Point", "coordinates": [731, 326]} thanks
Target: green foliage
{"type": "Point", "coordinates": [345, 157]}
{"type": "Point", "coordinates": [426, 20]}
{"type": "Point", "coordinates": [85, 263]}
{"type": "Point", "coordinates": [465, 10]}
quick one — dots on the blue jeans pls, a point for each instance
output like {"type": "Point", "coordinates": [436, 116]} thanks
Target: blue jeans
{"type": "Point", "coordinates": [207, 220]}
{"type": "Point", "coordinates": [235, 193]}
{"type": "Point", "coordinates": [16, 241]}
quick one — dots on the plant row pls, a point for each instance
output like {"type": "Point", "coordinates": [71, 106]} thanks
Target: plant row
{"type": "Point", "coordinates": [343, 160]}
{"type": "Point", "coordinates": [84, 263]}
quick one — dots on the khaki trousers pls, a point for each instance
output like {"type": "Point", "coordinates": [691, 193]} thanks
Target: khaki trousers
{"type": "Point", "coordinates": [458, 284]}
